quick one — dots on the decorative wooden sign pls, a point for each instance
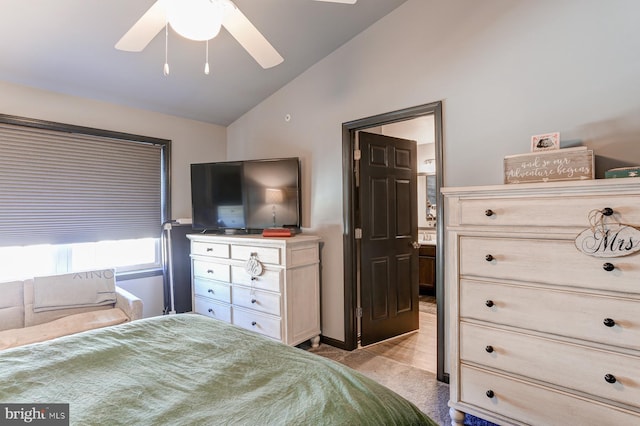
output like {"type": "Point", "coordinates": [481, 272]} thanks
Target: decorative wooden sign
{"type": "Point", "coordinates": [253, 266]}
{"type": "Point", "coordinates": [609, 241]}
{"type": "Point", "coordinates": [548, 166]}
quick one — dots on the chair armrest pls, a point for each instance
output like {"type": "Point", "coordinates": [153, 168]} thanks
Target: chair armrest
{"type": "Point", "coordinates": [130, 304]}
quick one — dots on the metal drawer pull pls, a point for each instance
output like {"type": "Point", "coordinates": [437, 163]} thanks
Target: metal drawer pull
{"type": "Point", "coordinates": [489, 349]}
{"type": "Point", "coordinates": [210, 310]}
{"type": "Point", "coordinates": [609, 322]}
{"type": "Point", "coordinates": [489, 303]}
{"type": "Point", "coordinates": [489, 212]}
{"type": "Point", "coordinates": [253, 300]}
{"type": "Point", "coordinates": [610, 378]}
{"type": "Point", "coordinates": [490, 394]}
{"type": "Point", "coordinates": [209, 271]}
{"type": "Point", "coordinates": [210, 291]}
{"type": "Point", "coordinates": [489, 258]}
{"type": "Point", "coordinates": [608, 267]}
{"type": "Point", "coordinates": [209, 249]}
{"type": "Point", "coordinates": [253, 323]}
{"type": "Point", "coordinates": [607, 211]}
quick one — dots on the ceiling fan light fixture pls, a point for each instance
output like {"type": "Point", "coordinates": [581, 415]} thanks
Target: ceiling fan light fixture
{"type": "Point", "coordinates": [197, 20]}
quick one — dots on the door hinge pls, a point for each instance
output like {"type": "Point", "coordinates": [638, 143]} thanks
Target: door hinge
{"type": "Point", "coordinates": [359, 312]}
{"type": "Point", "coordinates": [357, 154]}
{"type": "Point", "coordinates": [358, 233]}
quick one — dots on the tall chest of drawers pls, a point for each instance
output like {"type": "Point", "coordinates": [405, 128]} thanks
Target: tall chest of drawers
{"type": "Point", "coordinates": [543, 333]}
{"type": "Point", "coordinates": [267, 285]}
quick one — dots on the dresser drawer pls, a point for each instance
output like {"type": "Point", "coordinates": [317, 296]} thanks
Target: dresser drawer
{"type": "Point", "coordinates": [255, 321]}
{"type": "Point", "coordinates": [211, 270]}
{"type": "Point", "coordinates": [270, 255]}
{"type": "Point", "coordinates": [212, 309]}
{"type": "Point", "coordinates": [560, 313]}
{"type": "Point", "coordinates": [536, 405]}
{"type": "Point", "coordinates": [573, 366]}
{"type": "Point", "coordinates": [271, 279]}
{"type": "Point", "coordinates": [210, 249]}
{"type": "Point", "coordinates": [556, 262]}
{"type": "Point", "coordinates": [259, 300]}
{"type": "Point", "coordinates": [212, 289]}
{"type": "Point", "coordinates": [546, 211]}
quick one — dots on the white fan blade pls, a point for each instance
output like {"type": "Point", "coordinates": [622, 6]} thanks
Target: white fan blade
{"type": "Point", "coordinates": [143, 31]}
{"type": "Point", "coordinates": [340, 1]}
{"type": "Point", "coordinates": [250, 38]}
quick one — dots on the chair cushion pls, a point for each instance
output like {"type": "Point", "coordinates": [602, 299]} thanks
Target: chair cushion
{"type": "Point", "coordinates": [74, 290]}
{"type": "Point", "coordinates": [35, 318]}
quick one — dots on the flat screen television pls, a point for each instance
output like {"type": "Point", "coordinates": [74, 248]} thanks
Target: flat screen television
{"type": "Point", "coordinates": [246, 196]}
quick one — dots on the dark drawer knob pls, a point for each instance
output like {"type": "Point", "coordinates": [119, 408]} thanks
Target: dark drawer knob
{"type": "Point", "coordinates": [489, 258]}
{"type": "Point", "coordinates": [210, 310]}
{"type": "Point", "coordinates": [609, 322]}
{"type": "Point", "coordinates": [608, 267]}
{"type": "Point", "coordinates": [253, 323]}
{"type": "Point", "coordinates": [607, 211]}
{"type": "Point", "coordinates": [490, 394]}
{"type": "Point", "coordinates": [610, 378]}
{"type": "Point", "coordinates": [489, 303]}
{"type": "Point", "coordinates": [209, 271]}
{"type": "Point", "coordinates": [209, 249]}
{"type": "Point", "coordinates": [489, 212]}
{"type": "Point", "coordinates": [489, 349]}
{"type": "Point", "coordinates": [253, 300]}
{"type": "Point", "coordinates": [210, 291]}
{"type": "Point", "coordinates": [254, 278]}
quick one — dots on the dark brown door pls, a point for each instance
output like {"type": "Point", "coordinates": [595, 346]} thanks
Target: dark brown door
{"type": "Point", "coordinates": [388, 258]}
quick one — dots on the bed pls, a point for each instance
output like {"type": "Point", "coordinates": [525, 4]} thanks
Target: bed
{"type": "Point", "coordinates": [189, 369]}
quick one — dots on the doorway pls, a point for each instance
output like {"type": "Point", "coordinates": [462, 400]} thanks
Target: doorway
{"type": "Point", "coordinates": [352, 221]}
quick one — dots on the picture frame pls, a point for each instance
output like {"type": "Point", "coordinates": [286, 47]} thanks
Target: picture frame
{"type": "Point", "coordinates": [545, 142]}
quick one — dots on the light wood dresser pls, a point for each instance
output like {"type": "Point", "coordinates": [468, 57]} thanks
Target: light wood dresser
{"type": "Point", "coordinates": [268, 285]}
{"type": "Point", "coordinates": [544, 330]}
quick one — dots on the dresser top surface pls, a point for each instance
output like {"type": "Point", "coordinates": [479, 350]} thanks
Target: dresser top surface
{"type": "Point", "coordinates": [254, 238]}
{"type": "Point", "coordinates": [619, 185]}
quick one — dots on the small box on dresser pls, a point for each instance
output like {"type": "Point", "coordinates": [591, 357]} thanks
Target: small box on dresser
{"type": "Point", "coordinates": [267, 285]}
{"type": "Point", "coordinates": [541, 333]}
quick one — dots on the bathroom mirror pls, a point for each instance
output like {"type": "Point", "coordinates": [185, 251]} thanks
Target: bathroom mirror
{"type": "Point", "coordinates": [426, 201]}
{"type": "Point", "coordinates": [431, 190]}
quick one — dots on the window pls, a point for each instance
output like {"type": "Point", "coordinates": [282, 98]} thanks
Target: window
{"type": "Point", "coordinates": [40, 260]}
{"type": "Point", "coordinates": [75, 198]}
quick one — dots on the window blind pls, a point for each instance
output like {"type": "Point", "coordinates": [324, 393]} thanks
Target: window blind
{"type": "Point", "coordinates": [61, 187]}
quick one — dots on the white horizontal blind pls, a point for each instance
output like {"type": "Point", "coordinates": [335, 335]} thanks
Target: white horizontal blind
{"type": "Point", "coordinates": [60, 188]}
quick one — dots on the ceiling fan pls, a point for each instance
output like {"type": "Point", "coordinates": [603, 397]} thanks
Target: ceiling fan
{"type": "Point", "coordinates": [201, 20]}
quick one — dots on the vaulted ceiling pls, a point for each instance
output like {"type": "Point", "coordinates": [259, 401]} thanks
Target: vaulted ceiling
{"type": "Point", "coordinates": [67, 46]}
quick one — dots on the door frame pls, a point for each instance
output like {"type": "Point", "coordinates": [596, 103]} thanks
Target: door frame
{"type": "Point", "coordinates": [351, 262]}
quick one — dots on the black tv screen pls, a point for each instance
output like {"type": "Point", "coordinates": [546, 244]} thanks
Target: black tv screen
{"type": "Point", "coordinates": [247, 195]}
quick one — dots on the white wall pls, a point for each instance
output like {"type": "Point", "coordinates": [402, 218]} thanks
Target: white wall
{"type": "Point", "coordinates": [192, 142]}
{"type": "Point", "coordinates": [504, 69]}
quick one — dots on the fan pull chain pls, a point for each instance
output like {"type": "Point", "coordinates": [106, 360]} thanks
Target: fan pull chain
{"type": "Point", "coordinates": [166, 50]}
{"type": "Point", "coordinates": [206, 62]}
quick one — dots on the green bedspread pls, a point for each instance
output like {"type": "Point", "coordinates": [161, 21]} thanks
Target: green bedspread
{"type": "Point", "coordinates": [189, 369]}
